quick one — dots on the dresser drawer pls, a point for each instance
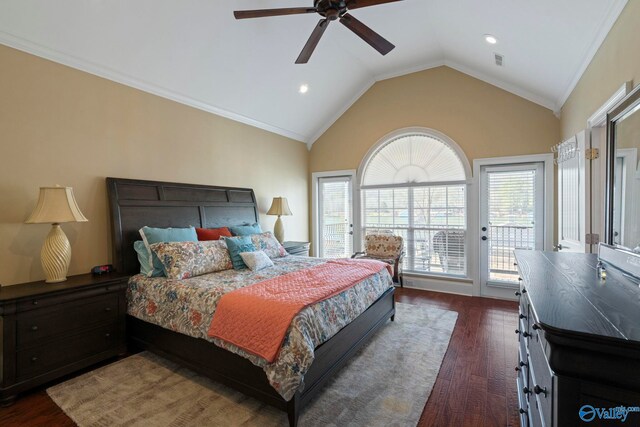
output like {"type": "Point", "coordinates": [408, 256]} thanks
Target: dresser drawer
{"type": "Point", "coordinates": [36, 360]}
{"type": "Point", "coordinates": [541, 384]}
{"type": "Point", "coordinates": [34, 326]}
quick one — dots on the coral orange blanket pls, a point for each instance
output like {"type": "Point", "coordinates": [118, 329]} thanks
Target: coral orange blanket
{"type": "Point", "coordinates": [256, 318]}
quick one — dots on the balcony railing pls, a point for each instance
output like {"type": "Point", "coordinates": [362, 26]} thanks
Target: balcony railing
{"type": "Point", "coordinates": [337, 242]}
{"type": "Point", "coordinates": [503, 240]}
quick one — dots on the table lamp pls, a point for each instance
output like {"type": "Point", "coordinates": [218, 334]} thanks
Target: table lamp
{"type": "Point", "coordinates": [279, 207]}
{"type": "Point", "coordinates": [56, 205]}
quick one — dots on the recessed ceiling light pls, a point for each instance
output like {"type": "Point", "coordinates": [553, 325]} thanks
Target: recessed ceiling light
{"type": "Point", "coordinates": [490, 39]}
{"type": "Point", "coordinates": [304, 88]}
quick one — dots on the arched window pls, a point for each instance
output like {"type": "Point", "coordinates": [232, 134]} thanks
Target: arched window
{"type": "Point", "coordinates": [413, 183]}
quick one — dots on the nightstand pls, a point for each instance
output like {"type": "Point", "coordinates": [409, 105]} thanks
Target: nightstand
{"type": "Point", "coordinates": [297, 248]}
{"type": "Point", "coordinates": [50, 330]}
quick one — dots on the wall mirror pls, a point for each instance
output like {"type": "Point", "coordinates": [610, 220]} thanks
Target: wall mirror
{"type": "Point", "coordinates": [623, 173]}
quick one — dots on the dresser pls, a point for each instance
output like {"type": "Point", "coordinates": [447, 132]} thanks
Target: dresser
{"type": "Point", "coordinates": [50, 330]}
{"type": "Point", "coordinates": [579, 341]}
{"type": "Point", "coordinates": [297, 248]}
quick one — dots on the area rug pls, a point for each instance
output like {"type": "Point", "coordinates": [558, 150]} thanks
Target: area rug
{"type": "Point", "coordinates": [387, 383]}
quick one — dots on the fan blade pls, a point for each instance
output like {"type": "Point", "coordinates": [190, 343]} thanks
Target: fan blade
{"type": "Point", "coordinates": [244, 14]}
{"type": "Point", "coordinates": [355, 4]}
{"type": "Point", "coordinates": [374, 39]}
{"type": "Point", "coordinates": [308, 48]}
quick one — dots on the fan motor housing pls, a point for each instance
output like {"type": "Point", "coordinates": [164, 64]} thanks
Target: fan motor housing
{"type": "Point", "coordinates": [331, 10]}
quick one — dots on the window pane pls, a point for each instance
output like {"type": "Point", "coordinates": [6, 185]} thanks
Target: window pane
{"type": "Point", "coordinates": [431, 219]}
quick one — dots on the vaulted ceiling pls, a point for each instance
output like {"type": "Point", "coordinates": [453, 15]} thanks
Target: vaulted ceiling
{"type": "Point", "coordinates": [195, 52]}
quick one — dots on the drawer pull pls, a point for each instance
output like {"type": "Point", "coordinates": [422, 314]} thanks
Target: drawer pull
{"type": "Point", "coordinates": [518, 369]}
{"type": "Point", "coordinates": [107, 309]}
{"type": "Point", "coordinates": [515, 264]}
{"type": "Point", "coordinates": [522, 316]}
{"type": "Point", "coordinates": [34, 328]}
{"type": "Point", "coordinates": [517, 331]}
{"type": "Point", "coordinates": [107, 335]}
{"type": "Point", "coordinates": [524, 290]}
{"type": "Point", "coordinates": [540, 390]}
{"type": "Point", "coordinates": [526, 334]}
{"type": "Point", "coordinates": [522, 411]}
{"type": "Point", "coordinates": [536, 326]}
{"type": "Point", "coordinates": [518, 293]}
{"type": "Point", "coordinates": [34, 359]}
{"type": "Point", "coordinates": [526, 390]}
{"type": "Point", "coordinates": [523, 363]}
{"type": "Point", "coordinates": [35, 302]}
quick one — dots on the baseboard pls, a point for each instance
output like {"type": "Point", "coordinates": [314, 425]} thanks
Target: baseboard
{"type": "Point", "coordinates": [453, 286]}
{"type": "Point", "coordinates": [499, 292]}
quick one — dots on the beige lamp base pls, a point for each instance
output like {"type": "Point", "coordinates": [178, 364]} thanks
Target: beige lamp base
{"type": "Point", "coordinates": [278, 230]}
{"type": "Point", "coordinates": [56, 255]}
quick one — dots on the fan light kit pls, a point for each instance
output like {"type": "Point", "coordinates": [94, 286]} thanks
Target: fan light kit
{"type": "Point", "coordinates": [490, 39]}
{"type": "Point", "coordinates": [330, 10]}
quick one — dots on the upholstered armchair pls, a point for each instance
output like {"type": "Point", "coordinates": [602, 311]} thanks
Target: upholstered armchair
{"type": "Point", "coordinates": [387, 248]}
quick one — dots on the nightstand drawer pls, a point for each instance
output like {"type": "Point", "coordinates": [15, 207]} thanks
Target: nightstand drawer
{"type": "Point", "coordinates": [49, 301]}
{"type": "Point", "coordinates": [44, 324]}
{"type": "Point", "coordinates": [56, 354]}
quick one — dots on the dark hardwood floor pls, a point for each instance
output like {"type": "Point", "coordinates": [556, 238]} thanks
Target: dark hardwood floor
{"type": "Point", "coordinates": [475, 386]}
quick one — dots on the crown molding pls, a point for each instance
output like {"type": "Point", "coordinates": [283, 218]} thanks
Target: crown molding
{"type": "Point", "coordinates": [118, 77]}
{"type": "Point", "coordinates": [606, 26]}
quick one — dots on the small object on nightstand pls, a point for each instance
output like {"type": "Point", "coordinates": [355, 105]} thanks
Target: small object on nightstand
{"type": "Point", "coordinates": [297, 248]}
{"type": "Point", "coordinates": [102, 269]}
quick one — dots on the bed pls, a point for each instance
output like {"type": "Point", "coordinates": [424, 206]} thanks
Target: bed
{"type": "Point", "coordinates": [134, 204]}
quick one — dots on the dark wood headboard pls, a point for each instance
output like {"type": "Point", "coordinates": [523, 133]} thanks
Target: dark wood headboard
{"type": "Point", "coordinates": [135, 203]}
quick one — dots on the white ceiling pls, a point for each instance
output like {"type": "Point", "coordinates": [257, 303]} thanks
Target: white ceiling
{"type": "Point", "coordinates": [195, 52]}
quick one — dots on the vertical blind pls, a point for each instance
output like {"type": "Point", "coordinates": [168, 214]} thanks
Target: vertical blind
{"type": "Point", "coordinates": [511, 215]}
{"type": "Point", "coordinates": [401, 195]}
{"type": "Point", "coordinates": [336, 218]}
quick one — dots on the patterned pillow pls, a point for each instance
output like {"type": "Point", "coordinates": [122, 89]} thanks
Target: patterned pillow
{"type": "Point", "coordinates": [236, 245]}
{"type": "Point", "coordinates": [267, 243]}
{"type": "Point", "coordinates": [182, 260]}
{"type": "Point", "coordinates": [151, 235]}
{"type": "Point", "coordinates": [256, 260]}
{"type": "Point", "coordinates": [383, 245]}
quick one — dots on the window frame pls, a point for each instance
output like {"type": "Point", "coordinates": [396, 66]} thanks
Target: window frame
{"type": "Point", "coordinates": [467, 182]}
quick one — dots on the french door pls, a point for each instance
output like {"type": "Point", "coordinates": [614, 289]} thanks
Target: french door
{"type": "Point", "coordinates": [335, 217]}
{"type": "Point", "coordinates": [511, 217]}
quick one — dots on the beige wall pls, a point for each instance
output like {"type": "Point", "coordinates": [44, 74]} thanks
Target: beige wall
{"type": "Point", "coordinates": [484, 120]}
{"type": "Point", "coordinates": [616, 62]}
{"type": "Point", "coordinates": [62, 126]}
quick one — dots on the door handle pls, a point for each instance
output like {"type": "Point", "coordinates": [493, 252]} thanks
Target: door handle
{"type": "Point", "coordinates": [351, 233]}
{"type": "Point", "coordinates": [484, 228]}
{"type": "Point", "coordinates": [484, 237]}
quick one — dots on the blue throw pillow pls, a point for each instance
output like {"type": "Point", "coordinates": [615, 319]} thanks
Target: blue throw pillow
{"type": "Point", "coordinates": [151, 235]}
{"type": "Point", "coordinates": [237, 245]}
{"type": "Point", "coordinates": [245, 230]}
{"type": "Point", "coordinates": [143, 258]}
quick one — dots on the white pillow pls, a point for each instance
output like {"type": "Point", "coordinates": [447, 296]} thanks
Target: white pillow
{"type": "Point", "coordinates": [256, 260]}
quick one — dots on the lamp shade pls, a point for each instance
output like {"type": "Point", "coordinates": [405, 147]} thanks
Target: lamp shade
{"type": "Point", "coordinates": [56, 205]}
{"type": "Point", "coordinates": [279, 206]}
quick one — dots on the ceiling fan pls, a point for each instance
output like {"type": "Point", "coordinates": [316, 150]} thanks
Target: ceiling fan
{"type": "Point", "coordinates": [330, 10]}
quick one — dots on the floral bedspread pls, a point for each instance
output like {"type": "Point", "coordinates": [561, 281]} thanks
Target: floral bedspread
{"type": "Point", "coordinates": [187, 306]}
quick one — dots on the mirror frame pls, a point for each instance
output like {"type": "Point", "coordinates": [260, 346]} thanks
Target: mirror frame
{"type": "Point", "coordinates": [629, 102]}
